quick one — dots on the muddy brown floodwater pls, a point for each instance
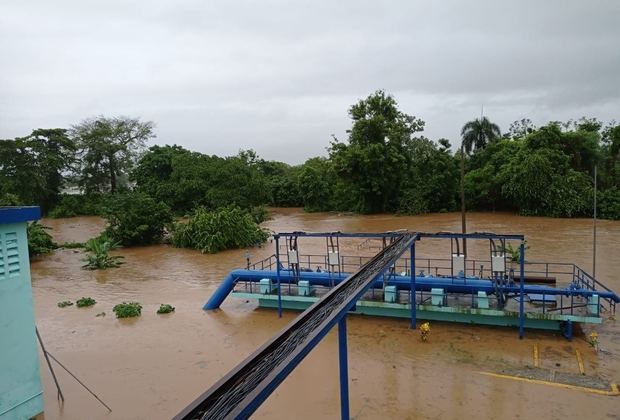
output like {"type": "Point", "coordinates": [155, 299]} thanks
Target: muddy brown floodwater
{"type": "Point", "coordinates": [153, 366]}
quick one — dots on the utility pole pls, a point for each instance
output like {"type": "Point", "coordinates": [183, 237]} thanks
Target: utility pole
{"type": "Point", "coordinates": [594, 230]}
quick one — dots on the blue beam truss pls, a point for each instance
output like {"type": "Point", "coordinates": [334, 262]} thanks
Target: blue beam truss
{"type": "Point", "coordinates": [344, 368]}
{"type": "Point", "coordinates": [389, 234]}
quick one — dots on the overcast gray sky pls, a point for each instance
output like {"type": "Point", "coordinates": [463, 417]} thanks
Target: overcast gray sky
{"type": "Point", "coordinates": [279, 76]}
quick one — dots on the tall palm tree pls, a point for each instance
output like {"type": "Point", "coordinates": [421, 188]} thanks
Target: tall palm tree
{"type": "Point", "coordinates": [478, 133]}
{"type": "Point", "coordinates": [475, 134]}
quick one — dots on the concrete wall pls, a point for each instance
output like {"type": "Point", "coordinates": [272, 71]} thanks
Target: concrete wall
{"type": "Point", "coordinates": [21, 394]}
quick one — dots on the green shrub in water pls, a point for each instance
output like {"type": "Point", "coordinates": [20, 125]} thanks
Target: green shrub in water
{"type": "Point", "coordinates": [85, 302]}
{"type": "Point", "coordinates": [609, 204]}
{"type": "Point", "coordinates": [39, 241]}
{"type": "Point", "coordinates": [64, 303]}
{"type": "Point", "coordinates": [72, 245]}
{"type": "Point", "coordinates": [71, 205]}
{"type": "Point", "coordinates": [260, 214]}
{"type": "Point", "coordinates": [164, 308]}
{"type": "Point", "coordinates": [136, 219]}
{"type": "Point", "coordinates": [98, 257]}
{"type": "Point", "coordinates": [127, 310]}
{"type": "Point", "coordinates": [218, 230]}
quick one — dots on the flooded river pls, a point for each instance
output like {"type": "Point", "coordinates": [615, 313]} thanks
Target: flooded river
{"type": "Point", "coordinates": [153, 366]}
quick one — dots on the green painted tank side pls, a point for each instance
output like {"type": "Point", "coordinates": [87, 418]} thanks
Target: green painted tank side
{"type": "Point", "coordinates": [480, 316]}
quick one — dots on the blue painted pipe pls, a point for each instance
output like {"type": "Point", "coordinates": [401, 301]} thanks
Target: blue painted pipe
{"type": "Point", "coordinates": [449, 284]}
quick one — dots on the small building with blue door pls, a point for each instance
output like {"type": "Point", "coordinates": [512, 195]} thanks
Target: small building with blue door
{"type": "Point", "coordinates": [21, 393]}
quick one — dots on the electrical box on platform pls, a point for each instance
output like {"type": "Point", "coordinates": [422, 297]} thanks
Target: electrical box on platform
{"type": "Point", "coordinates": [333, 258]}
{"type": "Point", "coordinates": [293, 256]}
{"type": "Point", "coordinates": [498, 263]}
{"type": "Point", "coordinates": [458, 265]}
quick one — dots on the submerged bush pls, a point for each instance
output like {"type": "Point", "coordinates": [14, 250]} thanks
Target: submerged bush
{"type": "Point", "coordinates": [609, 204]}
{"type": "Point", "coordinates": [72, 245]}
{"type": "Point", "coordinates": [127, 309]}
{"type": "Point", "coordinates": [98, 257]}
{"type": "Point", "coordinates": [218, 230]}
{"type": "Point", "coordinates": [8, 199]}
{"type": "Point", "coordinates": [39, 241]}
{"type": "Point", "coordinates": [259, 214]}
{"type": "Point", "coordinates": [85, 302]}
{"type": "Point", "coordinates": [165, 308]}
{"type": "Point", "coordinates": [71, 205]}
{"type": "Point", "coordinates": [136, 219]}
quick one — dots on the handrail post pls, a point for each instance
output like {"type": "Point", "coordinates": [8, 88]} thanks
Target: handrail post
{"type": "Point", "coordinates": [412, 288]}
{"type": "Point", "coordinates": [277, 238]}
{"type": "Point", "coordinates": [521, 291]}
{"type": "Point", "coordinates": [344, 368]}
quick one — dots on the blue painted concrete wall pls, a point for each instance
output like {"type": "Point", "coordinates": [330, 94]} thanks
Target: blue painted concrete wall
{"type": "Point", "coordinates": [21, 394]}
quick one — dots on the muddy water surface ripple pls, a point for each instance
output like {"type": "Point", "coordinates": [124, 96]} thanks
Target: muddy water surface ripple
{"type": "Point", "coordinates": [152, 366]}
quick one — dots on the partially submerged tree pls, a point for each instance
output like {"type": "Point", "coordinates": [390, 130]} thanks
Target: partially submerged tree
{"type": "Point", "coordinates": [135, 219]}
{"type": "Point", "coordinates": [373, 161]}
{"type": "Point", "coordinates": [34, 168]}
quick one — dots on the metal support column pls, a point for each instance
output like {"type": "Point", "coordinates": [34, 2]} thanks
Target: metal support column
{"type": "Point", "coordinates": [277, 238]}
{"type": "Point", "coordinates": [412, 286]}
{"type": "Point", "coordinates": [521, 290]}
{"type": "Point", "coordinates": [344, 368]}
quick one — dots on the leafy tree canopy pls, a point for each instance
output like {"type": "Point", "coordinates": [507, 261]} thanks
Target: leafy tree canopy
{"type": "Point", "coordinates": [109, 149]}
{"type": "Point", "coordinates": [377, 154]}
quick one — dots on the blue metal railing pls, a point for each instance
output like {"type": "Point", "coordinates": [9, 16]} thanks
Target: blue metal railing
{"type": "Point", "coordinates": [564, 274]}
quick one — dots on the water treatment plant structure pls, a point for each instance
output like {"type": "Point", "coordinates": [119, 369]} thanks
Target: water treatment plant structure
{"type": "Point", "coordinates": [378, 287]}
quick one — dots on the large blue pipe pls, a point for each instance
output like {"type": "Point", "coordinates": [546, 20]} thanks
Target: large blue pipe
{"type": "Point", "coordinates": [451, 285]}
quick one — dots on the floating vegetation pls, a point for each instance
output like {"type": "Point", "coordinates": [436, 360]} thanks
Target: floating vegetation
{"type": "Point", "coordinates": [127, 310]}
{"type": "Point", "coordinates": [98, 257]}
{"type": "Point", "coordinates": [64, 303]}
{"type": "Point", "coordinates": [100, 314]}
{"type": "Point", "coordinates": [72, 245]}
{"type": "Point", "coordinates": [85, 302]}
{"type": "Point", "coordinates": [164, 308]}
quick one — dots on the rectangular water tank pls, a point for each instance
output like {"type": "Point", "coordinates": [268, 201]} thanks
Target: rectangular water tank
{"type": "Point", "coordinates": [267, 287]}
{"type": "Point", "coordinates": [304, 288]}
{"type": "Point", "coordinates": [483, 300]}
{"type": "Point", "coordinates": [593, 305]}
{"type": "Point", "coordinates": [390, 294]}
{"type": "Point", "coordinates": [437, 297]}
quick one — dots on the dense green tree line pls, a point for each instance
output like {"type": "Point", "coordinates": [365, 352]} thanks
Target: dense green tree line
{"type": "Point", "coordinates": [385, 164]}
